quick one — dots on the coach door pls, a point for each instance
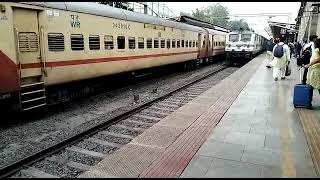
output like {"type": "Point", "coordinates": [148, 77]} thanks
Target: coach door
{"type": "Point", "coordinates": [27, 39]}
{"type": "Point", "coordinates": [26, 27]}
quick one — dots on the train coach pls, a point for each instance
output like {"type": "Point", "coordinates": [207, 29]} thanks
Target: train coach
{"type": "Point", "coordinates": [244, 44]}
{"type": "Point", "coordinates": [46, 45]}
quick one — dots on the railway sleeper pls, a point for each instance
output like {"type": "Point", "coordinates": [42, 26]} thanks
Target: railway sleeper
{"type": "Point", "coordinates": [139, 122]}
{"type": "Point", "coordinates": [102, 142]}
{"type": "Point", "coordinates": [86, 152]}
{"type": "Point", "coordinates": [34, 172]}
{"type": "Point", "coordinates": [108, 133]}
{"type": "Point", "coordinates": [128, 127]}
{"type": "Point", "coordinates": [147, 117]}
{"type": "Point", "coordinates": [76, 165]}
{"type": "Point", "coordinates": [169, 105]}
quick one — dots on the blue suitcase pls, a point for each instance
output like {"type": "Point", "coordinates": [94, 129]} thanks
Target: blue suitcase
{"type": "Point", "coordinates": [302, 95]}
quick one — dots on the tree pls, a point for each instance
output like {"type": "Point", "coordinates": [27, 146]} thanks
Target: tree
{"type": "Point", "coordinates": [215, 14]}
{"type": "Point", "coordinates": [118, 5]}
{"type": "Point", "coordinates": [239, 25]}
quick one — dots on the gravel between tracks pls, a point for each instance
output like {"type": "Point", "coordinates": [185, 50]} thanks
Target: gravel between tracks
{"type": "Point", "coordinates": [27, 138]}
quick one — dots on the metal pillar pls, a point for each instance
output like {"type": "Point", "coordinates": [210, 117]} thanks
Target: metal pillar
{"type": "Point", "coordinates": [145, 9]}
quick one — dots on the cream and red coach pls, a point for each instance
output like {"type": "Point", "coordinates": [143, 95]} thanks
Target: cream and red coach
{"type": "Point", "coordinates": [54, 43]}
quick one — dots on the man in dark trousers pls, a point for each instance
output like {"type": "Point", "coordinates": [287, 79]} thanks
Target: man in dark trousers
{"type": "Point", "coordinates": [306, 47]}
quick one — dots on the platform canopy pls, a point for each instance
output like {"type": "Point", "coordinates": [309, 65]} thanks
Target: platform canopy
{"type": "Point", "coordinates": [283, 29]}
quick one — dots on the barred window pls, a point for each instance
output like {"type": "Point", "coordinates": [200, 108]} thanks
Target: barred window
{"type": "Point", "coordinates": [187, 43]}
{"type": "Point", "coordinates": [108, 42]}
{"type": "Point", "coordinates": [182, 43]}
{"type": "Point", "coordinates": [163, 42]}
{"type": "Point", "coordinates": [28, 41]}
{"type": "Point", "coordinates": [190, 43]}
{"type": "Point", "coordinates": [132, 42]}
{"type": "Point", "coordinates": [178, 43]}
{"type": "Point", "coordinates": [55, 41]}
{"type": "Point", "coordinates": [121, 42]}
{"type": "Point", "coordinates": [196, 43]}
{"type": "Point", "coordinates": [155, 43]}
{"type": "Point", "coordinates": [77, 43]}
{"type": "Point", "coordinates": [149, 43]}
{"type": "Point", "coordinates": [168, 43]}
{"type": "Point", "coordinates": [141, 43]}
{"type": "Point", "coordinates": [173, 43]}
{"type": "Point", "coordinates": [94, 42]}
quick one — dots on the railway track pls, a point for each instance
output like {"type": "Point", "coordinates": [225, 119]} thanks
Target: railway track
{"type": "Point", "coordinates": [78, 153]}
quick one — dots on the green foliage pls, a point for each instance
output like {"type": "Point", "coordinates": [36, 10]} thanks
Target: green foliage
{"type": "Point", "coordinates": [117, 5]}
{"type": "Point", "coordinates": [239, 25]}
{"type": "Point", "coordinates": [215, 14]}
{"type": "Point", "coordinates": [218, 15]}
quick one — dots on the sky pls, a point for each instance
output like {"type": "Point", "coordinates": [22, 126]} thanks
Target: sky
{"type": "Point", "coordinates": [257, 23]}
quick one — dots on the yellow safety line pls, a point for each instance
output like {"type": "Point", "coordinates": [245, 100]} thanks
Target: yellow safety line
{"type": "Point", "coordinates": [311, 128]}
{"type": "Point", "coordinates": [287, 163]}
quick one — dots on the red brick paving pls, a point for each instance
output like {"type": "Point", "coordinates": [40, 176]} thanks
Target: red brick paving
{"type": "Point", "coordinates": [177, 156]}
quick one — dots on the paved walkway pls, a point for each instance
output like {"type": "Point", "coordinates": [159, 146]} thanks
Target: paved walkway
{"type": "Point", "coordinates": [245, 126]}
{"type": "Point", "coordinates": [261, 135]}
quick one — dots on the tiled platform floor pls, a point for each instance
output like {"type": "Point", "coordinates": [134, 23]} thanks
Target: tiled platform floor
{"type": "Point", "coordinates": [261, 135]}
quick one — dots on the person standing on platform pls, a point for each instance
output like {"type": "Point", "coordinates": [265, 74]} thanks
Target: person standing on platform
{"type": "Point", "coordinates": [306, 47]}
{"type": "Point", "coordinates": [270, 45]}
{"type": "Point", "coordinates": [281, 53]}
{"type": "Point", "coordinates": [313, 75]}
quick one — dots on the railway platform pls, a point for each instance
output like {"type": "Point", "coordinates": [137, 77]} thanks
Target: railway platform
{"type": "Point", "coordinates": [245, 126]}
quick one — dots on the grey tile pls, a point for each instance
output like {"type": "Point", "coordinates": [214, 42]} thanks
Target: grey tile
{"type": "Point", "coordinates": [271, 172]}
{"type": "Point", "coordinates": [241, 128]}
{"type": "Point", "coordinates": [221, 150]}
{"type": "Point", "coordinates": [295, 144]}
{"type": "Point", "coordinates": [219, 133]}
{"type": "Point", "coordinates": [245, 139]}
{"type": "Point", "coordinates": [221, 168]}
{"type": "Point", "coordinates": [262, 157]}
{"type": "Point", "coordinates": [197, 167]}
{"type": "Point", "coordinates": [236, 138]}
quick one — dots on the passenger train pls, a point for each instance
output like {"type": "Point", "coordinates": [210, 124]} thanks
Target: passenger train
{"type": "Point", "coordinates": [244, 44]}
{"type": "Point", "coordinates": [45, 46]}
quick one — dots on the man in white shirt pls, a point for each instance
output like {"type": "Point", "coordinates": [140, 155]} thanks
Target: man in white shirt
{"type": "Point", "coordinates": [280, 63]}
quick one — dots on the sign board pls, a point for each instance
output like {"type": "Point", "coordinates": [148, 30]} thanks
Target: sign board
{"type": "Point", "coordinates": [283, 31]}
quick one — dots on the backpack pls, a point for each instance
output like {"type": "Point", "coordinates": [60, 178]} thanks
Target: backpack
{"type": "Point", "coordinates": [305, 57]}
{"type": "Point", "coordinates": [278, 51]}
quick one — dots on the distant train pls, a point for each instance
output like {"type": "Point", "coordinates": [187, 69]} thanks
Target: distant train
{"type": "Point", "coordinates": [47, 46]}
{"type": "Point", "coordinates": [244, 44]}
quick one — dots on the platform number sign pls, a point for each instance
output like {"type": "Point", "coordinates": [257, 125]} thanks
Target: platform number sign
{"type": "Point", "coordinates": [75, 22]}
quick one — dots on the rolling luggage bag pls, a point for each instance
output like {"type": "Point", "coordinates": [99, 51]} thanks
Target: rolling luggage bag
{"type": "Point", "coordinates": [302, 95]}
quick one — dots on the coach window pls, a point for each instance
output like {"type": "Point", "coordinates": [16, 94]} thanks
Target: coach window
{"type": "Point", "coordinates": [141, 43]}
{"type": "Point", "coordinates": [187, 43]}
{"type": "Point", "coordinates": [132, 42]}
{"type": "Point", "coordinates": [94, 42]}
{"type": "Point", "coordinates": [178, 43]}
{"type": "Point", "coordinates": [77, 43]}
{"type": "Point", "coordinates": [193, 43]}
{"type": "Point", "coordinates": [121, 42]}
{"type": "Point", "coordinates": [149, 43]}
{"type": "Point", "coordinates": [190, 43]}
{"type": "Point", "coordinates": [168, 43]}
{"type": "Point", "coordinates": [173, 43]}
{"type": "Point", "coordinates": [55, 42]}
{"type": "Point", "coordinates": [155, 43]}
{"type": "Point", "coordinates": [196, 43]}
{"type": "Point", "coordinates": [163, 43]}
{"type": "Point", "coordinates": [182, 43]}
{"type": "Point", "coordinates": [108, 42]}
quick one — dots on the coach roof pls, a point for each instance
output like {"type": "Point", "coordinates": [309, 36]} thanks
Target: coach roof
{"type": "Point", "coordinates": [117, 13]}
